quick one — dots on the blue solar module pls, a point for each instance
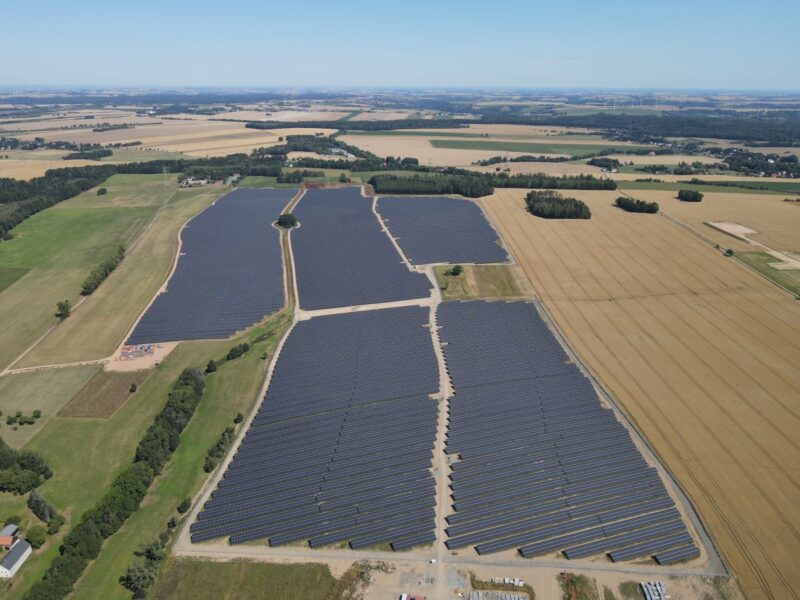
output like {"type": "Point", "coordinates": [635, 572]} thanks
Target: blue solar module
{"type": "Point", "coordinates": [441, 230]}
{"type": "Point", "coordinates": [229, 275]}
{"type": "Point", "coordinates": [675, 555]}
{"type": "Point", "coordinates": [543, 465]}
{"type": "Point", "coordinates": [342, 444]}
{"type": "Point", "coordinates": [343, 257]}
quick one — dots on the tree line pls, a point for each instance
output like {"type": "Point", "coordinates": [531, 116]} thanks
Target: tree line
{"type": "Point", "coordinates": [690, 195]}
{"type": "Point", "coordinates": [126, 492]}
{"type": "Point", "coordinates": [470, 186]}
{"type": "Point", "coordinates": [549, 204]}
{"type": "Point", "coordinates": [95, 154]}
{"type": "Point", "coordinates": [105, 269]}
{"type": "Point", "coordinates": [637, 206]}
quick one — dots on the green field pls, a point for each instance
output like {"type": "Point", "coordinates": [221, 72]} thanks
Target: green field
{"type": "Point", "coordinates": [477, 281]}
{"type": "Point", "coordinates": [669, 186]}
{"type": "Point", "coordinates": [59, 247]}
{"type": "Point", "coordinates": [260, 181]}
{"type": "Point", "coordinates": [420, 133]}
{"type": "Point", "coordinates": [9, 275]}
{"type": "Point", "coordinates": [204, 580]}
{"type": "Point", "coordinates": [761, 261]}
{"type": "Point", "coordinates": [46, 391]}
{"type": "Point", "coordinates": [569, 148]}
{"type": "Point", "coordinates": [99, 325]}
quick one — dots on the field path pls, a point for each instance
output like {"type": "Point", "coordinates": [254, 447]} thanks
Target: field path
{"type": "Point", "coordinates": [702, 354]}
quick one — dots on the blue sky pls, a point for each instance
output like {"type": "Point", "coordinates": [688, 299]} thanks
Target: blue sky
{"type": "Point", "coordinates": [610, 44]}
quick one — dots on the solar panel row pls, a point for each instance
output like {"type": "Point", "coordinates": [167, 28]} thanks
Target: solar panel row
{"type": "Point", "coordinates": [342, 256]}
{"type": "Point", "coordinates": [229, 275]}
{"type": "Point", "coordinates": [441, 230]}
{"type": "Point", "coordinates": [541, 465]}
{"type": "Point", "coordinates": [331, 457]}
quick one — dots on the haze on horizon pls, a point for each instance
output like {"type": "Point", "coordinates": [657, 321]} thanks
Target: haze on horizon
{"type": "Point", "coordinates": [717, 45]}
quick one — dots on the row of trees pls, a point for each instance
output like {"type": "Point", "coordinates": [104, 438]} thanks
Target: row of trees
{"type": "Point", "coordinates": [95, 154]}
{"type": "Point", "coordinates": [552, 182]}
{"type": "Point", "coordinates": [603, 162]}
{"type": "Point", "coordinates": [690, 196]}
{"type": "Point", "coordinates": [218, 450]}
{"type": "Point", "coordinates": [494, 160]}
{"type": "Point", "coordinates": [473, 186]}
{"type": "Point", "coordinates": [85, 541]}
{"type": "Point", "coordinates": [637, 206]}
{"type": "Point", "coordinates": [105, 269]}
{"type": "Point", "coordinates": [549, 204]}
{"type": "Point", "coordinates": [21, 470]}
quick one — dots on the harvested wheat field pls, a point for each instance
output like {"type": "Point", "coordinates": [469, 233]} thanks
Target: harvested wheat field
{"type": "Point", "coordinates": [700, 351]}
{"type": "Point", "coordinates": [553, 168]}
{"type": "Point", "coordinates": [777, 222]}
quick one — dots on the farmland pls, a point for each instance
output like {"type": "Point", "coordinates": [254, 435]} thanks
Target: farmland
{"type": "Point", "coordinates": [697, 349]}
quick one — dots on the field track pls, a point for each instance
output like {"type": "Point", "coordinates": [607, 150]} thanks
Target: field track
{"type": "Point", "coordinates": [700, 351]}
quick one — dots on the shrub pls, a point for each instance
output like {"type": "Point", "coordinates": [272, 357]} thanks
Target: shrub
{"type": "Point", "coordinates": [549, 204]}
{"type": "Point", "coordinates": [238, 351]}
{"type": "Point", "coordinates": [456, 270]}
{"type": "Point", "coordinates": [238, 418]}
{"type": "Point", "coordinates": [185, 505]}
{"type": "Point", "coordinates": [40, 507]}
{"type": "Point", "coordinates": [211, 366]}
{"type": "Point", "coordinates": [63, 309]}
{"type": "Point", "coordinates": [133, 388]}
{"type": "Point", "coordinates": [37, 414]}
{"type": "Point", "coordinates": [55, 524]}
{"type": "Point", "coordinates": [690, 196]}
{"type": "Point", "coordinates": [102, 191]}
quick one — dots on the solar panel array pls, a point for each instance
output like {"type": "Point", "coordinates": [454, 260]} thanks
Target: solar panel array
{"type": "Point", "coordinates": [340, 450]}
{"type": "Point", "coordinates": [441, 230]}
{"type": "Point", "coordinates": [229, 275]}
{"type": "Point", "coordinates": [543, 467]}
{"type": "Point", "coordinates": [342, 256]}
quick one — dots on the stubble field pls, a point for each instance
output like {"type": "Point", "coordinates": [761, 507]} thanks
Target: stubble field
{"type": "Point", "coordinates": [700, 351]}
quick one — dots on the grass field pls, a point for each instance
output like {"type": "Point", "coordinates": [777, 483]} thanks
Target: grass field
{"type": "Point", "coordinates": [9, 275]}
{"type": "Point", "coordinates": [761, 261]}
{"type": "Point", "coordinates": [567, 147]}
{"type": "Point", "coordinates": [58, 247]}
{"type": "Point", "coordinates": [203, 580]}
{"type": "Point", "coordinates": [478, 281]}
{"type": "Point", "coordinates": [670, 186]}
{"type": "Point", "coordinates": [260, 181]}
{"type": "Point", "coordinates": [99, 325]}
{"type": "Point", "coordinates": [47, 391]}
{"type": "Point", "coordinates": [103, 394]}
{"type": "Point", "coordinates": [233, 388]}
{"type": "Point", "coordinates": [700, 351]}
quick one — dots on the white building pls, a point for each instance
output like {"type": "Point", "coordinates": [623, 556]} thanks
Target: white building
{"type": "Point", "coordinates": [15, 558]}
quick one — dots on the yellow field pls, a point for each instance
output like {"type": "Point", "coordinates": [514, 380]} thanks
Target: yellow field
{"type": "Point", "coordinates": [777, 222]}
{"type": "Point", "coordinates": [700, 351]}
{"type": "Point", "coordinates": [555, 168]}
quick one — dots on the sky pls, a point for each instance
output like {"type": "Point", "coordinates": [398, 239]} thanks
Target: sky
{"type": "Point", "coordinates": [702, 44]}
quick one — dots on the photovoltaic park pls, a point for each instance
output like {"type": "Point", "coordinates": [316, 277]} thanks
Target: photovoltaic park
{"type": "Point", "coordinates": [229, 275]}
{"type": "Point", "coordinates": [541, 466]}
{"type": "Point", "coordinates": [342, 256]}
{"type": "Point", "coordinates": [441, 230]}
{"type": "Point", "coordinates": [340, 449]}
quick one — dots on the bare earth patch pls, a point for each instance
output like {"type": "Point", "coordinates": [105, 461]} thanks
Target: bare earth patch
{"type": "Point", "coordinates": [103, 394]}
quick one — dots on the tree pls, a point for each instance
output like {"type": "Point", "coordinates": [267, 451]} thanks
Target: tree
{"type": "Point", "coordinates": [549, 204]}
{"type": "Point", "coordinates": [139, 577]}
{"type": "Point", "coordinates": [238, 418]}
{"type": "Point", "coordinates": [343, 178]}
{"type": "Point", "coordinates": [211, 366]}
{"type": "Point", "coordinates": [55, 524]}
{"type": "Point", "coordinates": [40, 507]}
{"type": "Point", "coordinates": [36, 536]}
{"type": "Point", "coordinates": [102, 191]}
{"type": "Point", "coordinates": [287, 221]}
{"type": "Point", "coordinates": [456, 270]}
{"type": "Point", "coordinates": [185, 505]}
{"type": "Point", "coordinates": [133, 388]}
{"type": "Point", "coordinates": [63, 309]}
{"type": "Point", "coordinates": [37, 413]}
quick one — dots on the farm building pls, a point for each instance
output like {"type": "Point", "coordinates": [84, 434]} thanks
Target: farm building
{"type": "Point", "coordinates": [9, 535]}
{"type": "Point", "coordinates": [15, 558]}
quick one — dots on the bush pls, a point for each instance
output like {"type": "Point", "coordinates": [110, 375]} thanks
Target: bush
{"type": "Point", "coordinates": [139, 577]}
{"type": "Point", "coordinates": [287, 221]}
{"type": "Point", "coordinates": [37, 414]}
{"type": "Point", "coordinates": [133, 388]}
{"type": "Point", "coordinates": [238, 418]}
{"type": "Point", "coordinates": [102, 192]}
{"type": "Point", "coordinates": [638, 206]}
{"type": "Point", "coordinates": [690, 196]}
{"type": "Point", "coordinates": [238, 351]}
{"type": "Point", "coordinates": [55, 524]}
{"type": "Point", "coordinates": [552, 205]}
{"type": "Point", "coordinates": [63, 309]}
{"type": "Point", "coordinates": [456, 270]}
{"type": "Point", "coordinates": [36, 536]}
{"type": "Point", "coordinates": [211, 366]}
